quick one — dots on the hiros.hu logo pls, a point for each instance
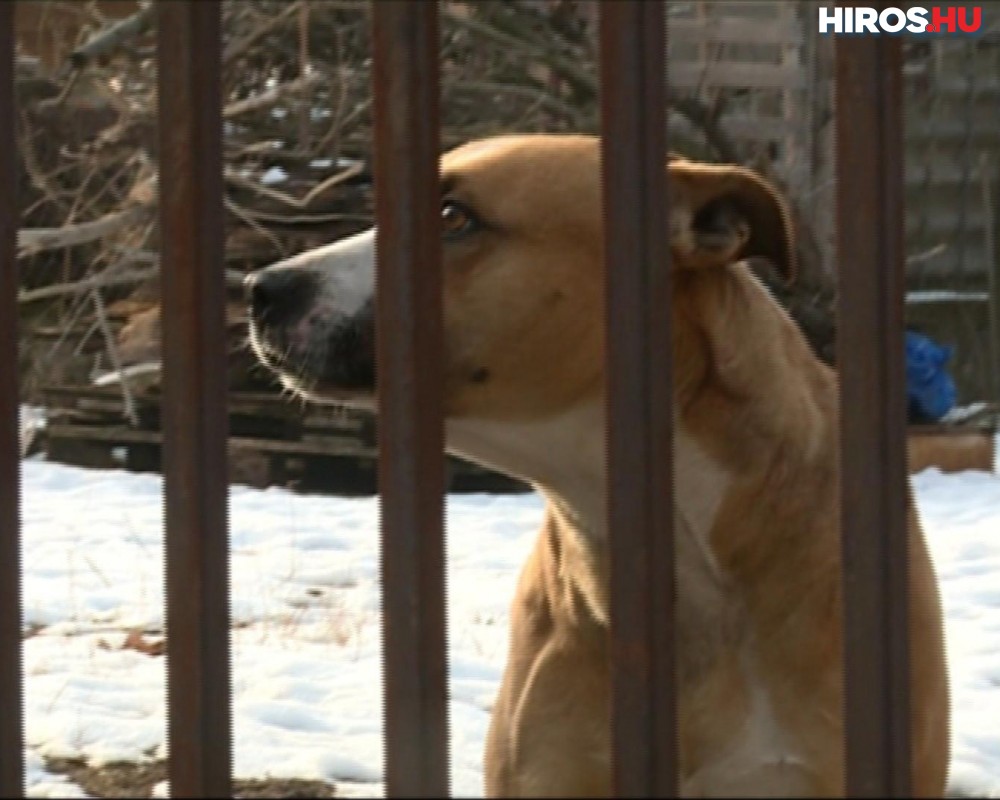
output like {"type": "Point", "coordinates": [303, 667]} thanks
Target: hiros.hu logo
{"type": "Point", "coordinates": [863, 19]}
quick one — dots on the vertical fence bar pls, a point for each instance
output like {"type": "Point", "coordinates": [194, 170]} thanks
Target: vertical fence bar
{"type": "Point", "coordinates": [195, 421]}
{"type": "Point", "coordinates": [873, 414]}
{"type": "Point", "coordinates": [639, 407]}
{"type": "Point", "coordinates": [411, 437]}
{"type": "Point", "coordinates": [11, 702]}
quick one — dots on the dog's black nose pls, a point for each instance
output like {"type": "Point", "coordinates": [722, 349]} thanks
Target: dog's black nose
{"type": "Point", "coordinates": [278, 295]}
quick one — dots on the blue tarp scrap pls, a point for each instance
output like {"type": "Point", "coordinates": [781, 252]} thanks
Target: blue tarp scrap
{"type": "Point", "coordinates": [929, 387]}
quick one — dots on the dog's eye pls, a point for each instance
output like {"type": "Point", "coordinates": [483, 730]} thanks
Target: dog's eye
{"type": "Point", "coordinates": [457, 221]}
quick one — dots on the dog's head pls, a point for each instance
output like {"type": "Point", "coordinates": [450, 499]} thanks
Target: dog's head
{"type": "Point", "coordinates": [521, 230]}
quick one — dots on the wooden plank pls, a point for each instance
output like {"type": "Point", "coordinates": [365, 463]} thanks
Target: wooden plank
{"type": "Point", "coordinates": [744, 75]}
{"type": "Point", "coordinates": [953, 450]}
{"type": "Point", "coordinates": [940, 173]}
{"type": "Point", "coordinates": [730, 30]}
{"type": "Point", "coordinates": [941, 221]}
{"type": "Point", "coordinates": [756, 129]}
{"type": "Point", "coordinates": [943, 273]}
{"type": "Point", "coordinates": [959, 85]}
{"type": "Point", "coordinates": [747, 9]}
{"type": "Point", "coordinates": [262, 403]}
{"type": "Point", "coordinates": [331, 446]}
{"type": "Point", "coordinates": [54, 332]}
{"type": "Point", "coordinates": [102, 433]}
{"type": "Point", "coordinates": [317, 422]}
{"type": "Point", "coordinates": [950, 129]}
{"type": "Point", "coordinates": [75, 390]}
{"type": "Point", "coordinates": [927, 297]}
{"type": "Point", "coordinates": [326, 446]}
{"type": "Point", "coordinates": [108, 405]}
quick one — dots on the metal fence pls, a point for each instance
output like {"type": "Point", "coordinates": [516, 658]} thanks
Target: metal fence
{"type": "Point", "coordinates": [411, 462]}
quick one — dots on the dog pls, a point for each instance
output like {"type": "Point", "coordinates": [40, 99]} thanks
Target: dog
{"type": "Point", "coordinates": [759, 636]}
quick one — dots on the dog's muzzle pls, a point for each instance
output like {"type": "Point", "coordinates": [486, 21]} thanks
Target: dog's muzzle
{"type": "Point", "coordinates": [297, 331]}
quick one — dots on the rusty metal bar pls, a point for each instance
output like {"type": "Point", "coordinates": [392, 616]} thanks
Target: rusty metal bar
{"type": "Point", "coordinates": [11, 677]}
{"type": "Point", "coordinates": [195, 422]}
{"type": "Point", "coordinates": [639, 400]}
{"type": "Point", "coordinates": [873, 414]}
{"type": "Point", "coordinates": [411, 437]}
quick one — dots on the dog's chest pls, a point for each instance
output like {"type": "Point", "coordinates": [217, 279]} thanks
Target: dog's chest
{"type": "Point", "coordinates": [710, 618]}
{"type": "Point", "coordinates": [716, 651]}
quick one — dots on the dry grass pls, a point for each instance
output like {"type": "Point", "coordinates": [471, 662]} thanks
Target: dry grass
{"type": "Point", "coordinates": [137, 780]}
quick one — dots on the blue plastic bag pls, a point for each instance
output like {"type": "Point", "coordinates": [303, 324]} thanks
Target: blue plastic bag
{"type": "Point", "coordinates": [930, 389]}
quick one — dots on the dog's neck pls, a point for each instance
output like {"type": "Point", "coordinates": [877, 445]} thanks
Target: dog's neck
{"type": "Point", "coordinates": [562, 457]}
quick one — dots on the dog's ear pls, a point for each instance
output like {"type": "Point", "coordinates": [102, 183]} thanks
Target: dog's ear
{"type": "Point", "coordinates": [721, 213]}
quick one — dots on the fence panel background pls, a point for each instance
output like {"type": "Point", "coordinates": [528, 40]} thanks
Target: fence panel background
{"type": "Point", "coordinates": [767, 75]}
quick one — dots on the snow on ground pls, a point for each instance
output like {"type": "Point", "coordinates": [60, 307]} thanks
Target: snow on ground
{"type": "Point", "coordinates": [306, 639]}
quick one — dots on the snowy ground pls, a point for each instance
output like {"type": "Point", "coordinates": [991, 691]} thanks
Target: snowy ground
{"type": "Point", "coordinates": [306, 642]}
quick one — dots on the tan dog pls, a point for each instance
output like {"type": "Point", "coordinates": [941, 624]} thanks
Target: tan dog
{"type": "Point", "coordinates": [759, 652]}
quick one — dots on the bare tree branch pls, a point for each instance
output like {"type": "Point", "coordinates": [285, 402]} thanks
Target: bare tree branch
{"type": "Point", "coordinates": [318, 190]}
{"type": "Point", "coordinates": [272, 96]}
{"type": "Point", "coordinates": [34, 240]}
{"type": "Point", "coordinates": [112, 38]}
{"type": "Point", "coordinates": [111, 346]}
{"type": "Point", "coordinates": [240, 46]}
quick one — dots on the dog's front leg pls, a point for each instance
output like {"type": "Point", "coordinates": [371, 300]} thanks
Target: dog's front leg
{"type": "Point", "coordinates": [549, 736]}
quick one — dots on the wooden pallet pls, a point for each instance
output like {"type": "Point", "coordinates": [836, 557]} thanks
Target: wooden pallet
{"type": "Point", "coordinates": [272, 442]}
